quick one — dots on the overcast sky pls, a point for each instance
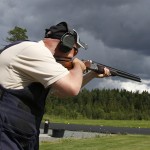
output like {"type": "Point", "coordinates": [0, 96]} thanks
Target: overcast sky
{"type": "Point", "coordinates": [117, 32]}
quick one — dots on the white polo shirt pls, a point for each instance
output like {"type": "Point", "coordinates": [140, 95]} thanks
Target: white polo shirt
{"type": "Point", "coordinates": [29, 62]}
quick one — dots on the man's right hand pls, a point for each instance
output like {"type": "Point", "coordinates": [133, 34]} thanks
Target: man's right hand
{"type": "Point", "coordinates": [82, 65]}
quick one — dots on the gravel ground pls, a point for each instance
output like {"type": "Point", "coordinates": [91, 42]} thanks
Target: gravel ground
{"type": "Point", "coordinates": [68, 134]}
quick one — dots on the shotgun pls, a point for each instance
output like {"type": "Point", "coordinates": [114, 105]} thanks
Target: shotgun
{"type": "Point", "coordinates": [99, 68]}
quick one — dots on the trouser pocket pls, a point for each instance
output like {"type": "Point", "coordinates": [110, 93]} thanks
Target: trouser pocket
{"type": "Point", "coordinates": [12, 138]}
{"type": "Point", "coordinates": [23, 139]}
{"type": "Point", "coordinates": [16, 133]}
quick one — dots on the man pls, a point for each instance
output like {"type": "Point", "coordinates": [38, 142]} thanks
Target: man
{"type": "Point", "coordinates": [28, 71]}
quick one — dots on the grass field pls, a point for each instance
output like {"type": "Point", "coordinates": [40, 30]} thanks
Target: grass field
{"type": "Point", "coordinates": [114, 123]}
{"type": "Point", "coordinates": [108, 142]}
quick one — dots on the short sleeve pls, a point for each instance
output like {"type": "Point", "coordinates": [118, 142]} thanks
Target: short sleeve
{"type": "Point", "coordinates": [37, 63]}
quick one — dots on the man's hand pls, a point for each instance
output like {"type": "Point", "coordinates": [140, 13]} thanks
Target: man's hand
{"type": "Point", "coordinates": [105, 74]}
{"type": "Point", "coordinates": [81, 63]}
{"type": "Point", "coordinates": [95, 74]}
{"type": "Point", "coordinates": [91, 75]}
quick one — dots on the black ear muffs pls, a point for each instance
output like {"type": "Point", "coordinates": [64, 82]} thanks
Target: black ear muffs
{"type": "Point", "coordinates": [67, 42]}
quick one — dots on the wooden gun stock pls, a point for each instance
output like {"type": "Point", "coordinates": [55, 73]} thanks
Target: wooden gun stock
{"type": "Point", "coordinates": [66, 62]}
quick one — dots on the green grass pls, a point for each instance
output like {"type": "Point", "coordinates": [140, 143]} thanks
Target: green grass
{"type": "Point", "coordinates": [114, 123]}
{"type": "Point", "coordinates": [108, 142]}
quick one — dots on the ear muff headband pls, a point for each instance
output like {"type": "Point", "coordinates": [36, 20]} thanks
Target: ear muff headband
{"type": "Point", "coordinates": [67, 42]}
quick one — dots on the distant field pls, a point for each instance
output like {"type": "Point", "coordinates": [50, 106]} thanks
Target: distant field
{"type": "Point", "coordinates": [108, 142]}
{"type": "Point", "coordinates": [114, 123]}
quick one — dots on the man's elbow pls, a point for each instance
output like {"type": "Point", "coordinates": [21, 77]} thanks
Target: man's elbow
{"type": "Point", "coordinates": [69, 88]}
{"type": "Point", "coordinates": [74, 91]}
{"type": "Point", "coordinates": [65, 91]}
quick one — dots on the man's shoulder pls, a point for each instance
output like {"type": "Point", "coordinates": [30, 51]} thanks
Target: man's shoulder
{"type": "Point", "coordinates": [36, 49]}
{"type": "Point", "coordinates": [39, 44]}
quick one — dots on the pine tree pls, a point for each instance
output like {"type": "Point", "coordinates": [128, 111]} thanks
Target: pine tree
{"type": "Point", "coordinates": [16, 34]}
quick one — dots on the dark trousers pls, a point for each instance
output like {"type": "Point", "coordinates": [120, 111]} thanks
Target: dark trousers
{"type": "Point", "coordinates": [21, 112]}
{"type": "Point", "coordinates": [17, 131]}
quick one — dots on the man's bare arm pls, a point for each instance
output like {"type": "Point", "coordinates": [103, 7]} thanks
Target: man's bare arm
{"type": "Point", "coordinates": [71, 84]}
{"type": "Point", "coordinates": [91, 75]}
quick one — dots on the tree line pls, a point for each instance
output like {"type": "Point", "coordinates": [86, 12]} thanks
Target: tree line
{"type": "Point", "coordinates": [101, 104]}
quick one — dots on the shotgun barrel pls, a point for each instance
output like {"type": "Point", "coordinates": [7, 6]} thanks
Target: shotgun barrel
{"type": "Point", "coordinates": [99, 68]}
